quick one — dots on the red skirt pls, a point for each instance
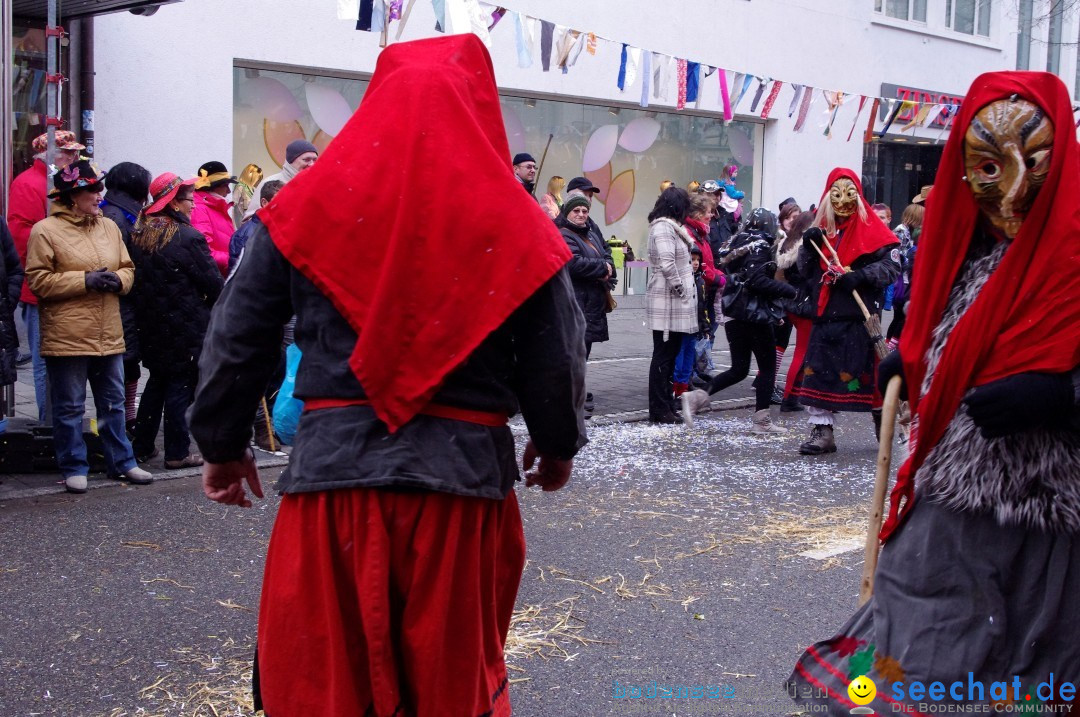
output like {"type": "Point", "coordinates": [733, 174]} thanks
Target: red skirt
{"type": "Point", "coordinates": [384, 603]}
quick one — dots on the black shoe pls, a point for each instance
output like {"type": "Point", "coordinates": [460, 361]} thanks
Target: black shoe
{"type": "Point", "coordinates": [791, 405]}
{"type": "Point", "coordinates": [666, 418]}
{"type": "Point", "coordinates": [699, 381]}
{"type": "Point", "coordinates": [777, 396]}
{"type": "Point", "coordinates": [589, 405]}
{"type": "Point", "coordinates": [23, 359]}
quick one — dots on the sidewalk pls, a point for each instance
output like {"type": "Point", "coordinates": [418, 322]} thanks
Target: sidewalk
{"type": "Point", "coordinates": [618, 376]}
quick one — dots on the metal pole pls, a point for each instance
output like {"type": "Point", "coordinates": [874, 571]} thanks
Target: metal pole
{"type": "Point", "coordinates": [86, 85]}
{"type": "Point", "coordinates": [52, 108]}
{"type": "Point", "coordinates": [7, 54]}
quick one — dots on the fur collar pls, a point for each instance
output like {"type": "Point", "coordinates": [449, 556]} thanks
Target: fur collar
{"type": "Point", "coordinates": [680, 230]}
{"type": "Point", "coordinates": [786, 257]}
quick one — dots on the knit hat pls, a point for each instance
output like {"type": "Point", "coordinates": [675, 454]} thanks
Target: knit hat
{"type": "Point", "coordinates": [163, 189]}
{"type": "Point", "coordinates": [78, 175]}
{"type": "Point", "coordinates": [212, 175]}
{"type": "Point", "coordinates": [298, 147]}
{"type": "Point", "coordinates": [522, 157]}
{"type": "Point", "coordinates": [573, 202]}
{"type": "Point", "coordinates": [65, 139]}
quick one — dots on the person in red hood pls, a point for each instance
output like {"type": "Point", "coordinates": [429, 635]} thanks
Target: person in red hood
{"type": "Point", "coordinates": [212, 213]}
{"type": "Point", "coordinates": [978, 577]}
{"type": "Point", "coordinates": [394, 563]}
{"type": "Point", "coordinates": [837, 373]}
{"type": "Point", "coordinates": [26, 207]}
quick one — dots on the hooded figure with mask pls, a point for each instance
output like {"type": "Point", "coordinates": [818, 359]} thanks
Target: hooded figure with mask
{"type": "Point", "coordinates": [398, 547]}
{"type": "Point", "coordinates": [978, 577]}
{"type": "Point", "coordinates": [838, 371]}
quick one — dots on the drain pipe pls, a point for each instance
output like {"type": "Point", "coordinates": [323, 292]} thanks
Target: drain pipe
{"type": "Point", "coordinates": [86, 82]}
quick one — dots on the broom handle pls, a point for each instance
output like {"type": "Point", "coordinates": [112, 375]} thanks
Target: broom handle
{"type": "Point", "coordinates": [881, 485]}
{"type": "Point", "coordinates": [269, 425]}
{"type": "Point", "coordinates": [854, 294]}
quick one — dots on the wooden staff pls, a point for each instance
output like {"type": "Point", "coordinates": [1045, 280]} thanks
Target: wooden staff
{"type": "Point", "coordinates": [881, 485]}
{"type": "Point", "coordinates": [542, 158]}
{"type": "Point", "coordinates": [269, 426]}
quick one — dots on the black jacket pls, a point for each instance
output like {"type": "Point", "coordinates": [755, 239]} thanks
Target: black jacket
{"type": "Point", "coordinates": [11, 279]}
{"type": "Point", "coordinates": [175, 288]}
{"type": "Point", "coordinates": [721, 228]}
{"type": "Point", "coordinates": [124, 210]}
{"type": "Point", "coordinates": [753, 266]}
{"type": "Point", "coordinates": [535, 361]}
{"type": "Point", "coordinates": [588, 266]}
{"type": "Point", "coordinates": [875, 270]}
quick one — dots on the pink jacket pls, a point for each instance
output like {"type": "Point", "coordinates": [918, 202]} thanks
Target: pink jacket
{"type": "Point", "coordinates": [213, 218]}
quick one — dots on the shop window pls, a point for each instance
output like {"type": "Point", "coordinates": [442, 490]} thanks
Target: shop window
{"type": "Point", "coordinates": [902, 9]}
{"type": "Point", "coordinates": [971, 17]}
{"type": "Point", "coordinates": [626, 152]}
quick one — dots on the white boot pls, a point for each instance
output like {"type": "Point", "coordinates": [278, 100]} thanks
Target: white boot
{"type": "Point", "coordinates": [136, 476]}
{"type": "Point", "coordinates": [75, 484]}
{"type": "Point", "coordinates": [693, 402]}
{"type": "Point", "coordinates": [761, 423]}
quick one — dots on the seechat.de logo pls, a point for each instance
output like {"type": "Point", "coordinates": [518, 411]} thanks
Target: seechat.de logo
{"type": "Point", "coordinates": [862, 691]}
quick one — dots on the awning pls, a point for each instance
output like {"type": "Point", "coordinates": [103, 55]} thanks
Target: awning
{"type": "Point", "coordinates": [71, 9]}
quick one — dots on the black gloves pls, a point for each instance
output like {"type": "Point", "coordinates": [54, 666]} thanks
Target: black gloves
{"type": "Point", "coordinates": [848, 282]}
{"type": "Point", "coordinates": [815, 236]}
{"type": "Point", "coordinates": [104, 281]}
{"type": "Point", "coordinates": [1020, 403]}
{"type": "Point", "coordinates": [891, 365]}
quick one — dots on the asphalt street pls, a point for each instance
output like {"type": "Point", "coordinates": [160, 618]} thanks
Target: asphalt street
{"type": "Point", "coordinates": [705, 557]}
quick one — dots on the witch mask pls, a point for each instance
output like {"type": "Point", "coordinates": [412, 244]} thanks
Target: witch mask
{"type": "Point", "coordinates": [844, 197]}
{"type": "Point", "coordinates": [1007, 156]}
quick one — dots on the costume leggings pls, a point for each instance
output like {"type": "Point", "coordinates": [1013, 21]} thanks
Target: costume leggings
{"type": "Point", "coordinates": [746, 338]}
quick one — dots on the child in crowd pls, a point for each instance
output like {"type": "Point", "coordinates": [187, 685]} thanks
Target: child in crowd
{"type": "Point", "coordinates": [684, 363]}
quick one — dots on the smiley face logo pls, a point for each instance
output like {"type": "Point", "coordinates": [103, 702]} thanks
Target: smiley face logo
{"type": "Point", "coordinates": [862, 690]}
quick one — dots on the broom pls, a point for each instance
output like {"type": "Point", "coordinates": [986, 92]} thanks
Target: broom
{"type": "Point", "coordinates": [871, 322]}
{"type": "Point", "coordinates": [881, 486]}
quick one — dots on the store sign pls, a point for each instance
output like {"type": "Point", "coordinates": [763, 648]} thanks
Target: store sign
{"type": "Point", "coordinates": [918, 96]}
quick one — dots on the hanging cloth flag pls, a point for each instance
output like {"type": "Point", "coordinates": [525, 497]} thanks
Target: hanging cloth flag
{"type": "Point", "coordinates": [496, 15]}
{"type": "Point", "coordinates": [834, 100]}
{"type": "Point", "coordinates": [919, 119]}
{"type": "Point", "coordinates": [725, 98]}
{"type": "Point", "coordinates": [476, 20]}
{"type": "Point", "coordinates": [439, 6]}
{"type": "Point", "coordinates": [693, 81]}
{"type": "Point", "coordinates": [932, 115]}
{"type": "Point", "coordinates": [591, 47]}
{"type": "Point", "coordinates": [895, 108]}
{"type": "Point", "coordinates": [547, 35]}
{"type": "Point", "coordinates": [869, 136]}
{"type": "Point", "coordinates": [646, 78]}
{"type": "Point", "coordinates": [795, 100]}
{"type": "Point", "coordinates": [372, 16]}
{"type": "Point", "coordinates": [664, 74]}
{"type": "Point", "coordinates": [631, 57]}
{"type": "Point", "coordinates": [771, 100]}
{"type": "Point", "coordinates": [762, 82]}
{"type": "Point", "coordinates": [948, 114]}
{"type": "Point", "coordinates": [855, 122]}
{"type": "Point", "coordinates": [564, 41]}
{"type": "Point", "coordinates": [680, 100]}
{"type": "Point", "coordinates": [575, 50]}
{"type": "Point", "coordinates": [804, 108]}
{"type": "Point", "coordinates": [747, 80]}
{"type": "Point", "coordinates": [525, 32]}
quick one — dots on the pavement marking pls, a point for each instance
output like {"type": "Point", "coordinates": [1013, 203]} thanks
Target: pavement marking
{"type": "Point", "coordinates": [838, 548]}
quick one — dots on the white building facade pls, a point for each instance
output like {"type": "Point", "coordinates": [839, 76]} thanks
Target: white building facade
{"type": "Point", "coordinates": [235, 80]}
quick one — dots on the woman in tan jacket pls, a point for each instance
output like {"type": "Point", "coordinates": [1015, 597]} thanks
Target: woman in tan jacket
{"type": "Point", "coordinates": [77, 265]}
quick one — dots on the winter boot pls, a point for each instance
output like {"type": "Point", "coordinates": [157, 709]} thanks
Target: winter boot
{"type": "Point", "coordinates": [762, 423]}
{"type": "Point", "coordinates": [821, 441]}
{"type": "Point", "coordinates": [791, 404]}
{"type": "Point", "coordinates": [680, 389]}
{"type": "Point", "coordinates": [693, 402]}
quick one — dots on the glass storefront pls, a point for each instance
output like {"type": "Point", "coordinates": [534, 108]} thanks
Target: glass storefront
{"type": "Point", "coordinates": [626, 152]}
{"type": "Point", "coordinates": [28, 90]}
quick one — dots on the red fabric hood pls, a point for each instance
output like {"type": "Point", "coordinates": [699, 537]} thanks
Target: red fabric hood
{"type": "Point", "coordinates": [413, 225]}
{"type": "Point", "coordinates": [859, 237]}
{"type": "Point", "coordinates": [1027, 315]}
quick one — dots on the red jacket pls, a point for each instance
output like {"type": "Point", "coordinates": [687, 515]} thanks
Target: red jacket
{"type": "Point", "coordinates": [26, 207]}
{"type": "Point", "coordinates": [213, 218]}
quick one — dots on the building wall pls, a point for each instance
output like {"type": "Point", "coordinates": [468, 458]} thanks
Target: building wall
{"type": "Point", "coordinates": [165, 83]}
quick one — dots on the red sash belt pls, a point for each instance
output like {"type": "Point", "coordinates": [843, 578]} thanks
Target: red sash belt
{"type": "Point", "coordinates": [483, 418]}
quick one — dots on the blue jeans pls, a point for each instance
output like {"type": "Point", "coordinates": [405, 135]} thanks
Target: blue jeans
{"type": "Point", "coordinates": [37, 361]}
{"type": "Point", "coordinates": [684, 362]}
{"type": "Point", "coordinates": [67, 378]}
{"type": "Point", "coordinates": [171, 395]}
